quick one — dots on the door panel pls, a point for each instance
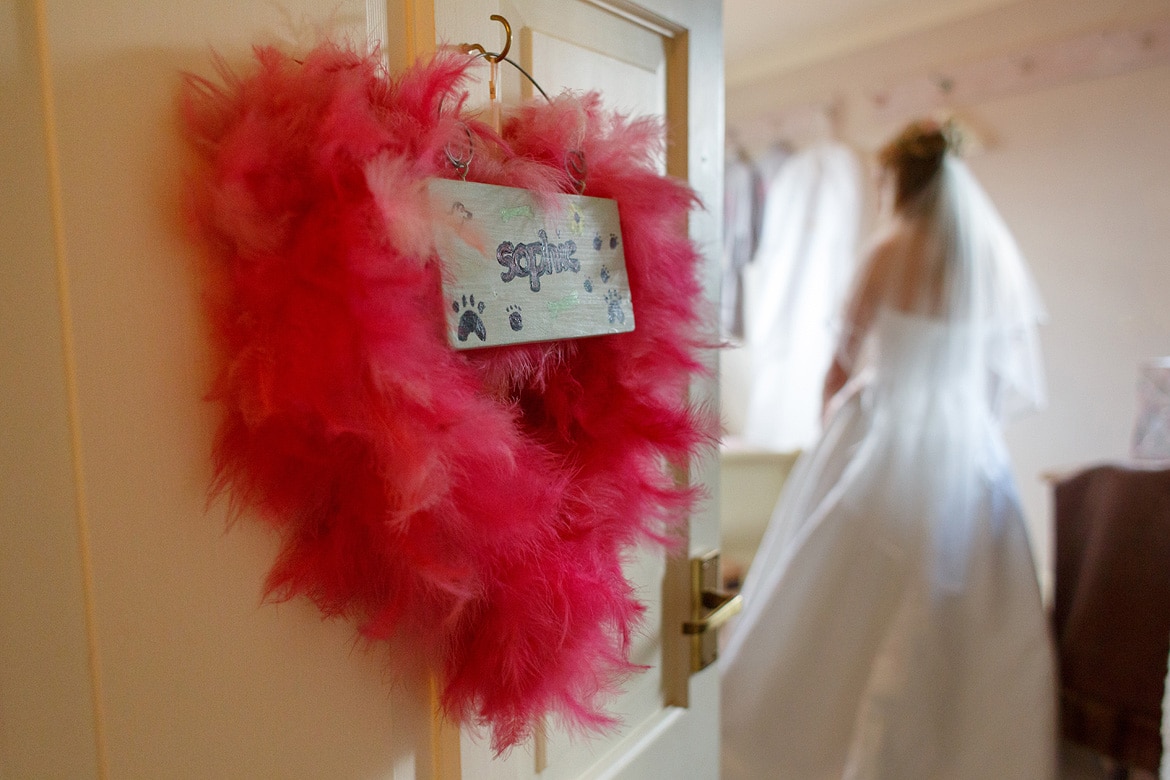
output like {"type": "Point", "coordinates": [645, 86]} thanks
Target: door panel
{"type": "Point", "coordinates": [633, 87]}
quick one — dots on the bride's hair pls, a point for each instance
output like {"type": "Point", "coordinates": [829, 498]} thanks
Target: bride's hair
{"type": "Point", "coordinates": [915, 158]}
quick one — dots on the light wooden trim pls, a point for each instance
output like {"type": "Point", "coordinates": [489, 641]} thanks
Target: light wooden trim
{"type": "Point", "coordinates": [678, 105]}
{"type": "Point", "coordinates": [445, 756]}
{"type": "Point", "coordinates": [69, 351]}
{"type": "Point", "coordinates": [408, 27]}
{"type": "Point", "coordinates": [419, 25]}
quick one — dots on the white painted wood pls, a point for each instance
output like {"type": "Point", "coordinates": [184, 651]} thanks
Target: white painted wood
{"type": "Point", "coordinates": [636, 87]}
{"type": "Point", "coordinates": [523, 270]}
{"type": "Point", "coordinates": [660, 57]}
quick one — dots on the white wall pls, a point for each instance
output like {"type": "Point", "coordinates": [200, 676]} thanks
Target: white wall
{"type": "Point", "coordinates": [1081, 173]}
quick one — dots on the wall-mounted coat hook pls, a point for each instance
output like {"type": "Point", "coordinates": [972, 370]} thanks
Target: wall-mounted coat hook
{"type": "Point", "coordinates": [492, 57]}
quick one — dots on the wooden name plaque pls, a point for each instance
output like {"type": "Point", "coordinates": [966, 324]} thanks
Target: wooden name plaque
{"type": "Point", "coordinates": [522, 268]}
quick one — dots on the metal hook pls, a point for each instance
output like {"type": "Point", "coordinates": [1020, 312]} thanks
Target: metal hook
{"type": "Point", "coordinates": [494, 59]}
{"type": "Point", "coordinates": [459, 162]}
{"type": "Point", "coordinates": [491, 56]}
{"type": "Point", "coordinates": [507, 36]}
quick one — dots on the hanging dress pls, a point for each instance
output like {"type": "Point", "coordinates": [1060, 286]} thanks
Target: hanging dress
{"type": "Point", "coordinates": [893, 625]}
{"type": "Point", "coordinates": [740, 185]}
{"type": "Point", "coordinates": [801, 270]}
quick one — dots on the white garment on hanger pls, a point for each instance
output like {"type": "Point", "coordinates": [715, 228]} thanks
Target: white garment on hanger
{"type": "Point", "coordinates": [740, 185]}
{"type": "Point", "coordinates": [803, 265]}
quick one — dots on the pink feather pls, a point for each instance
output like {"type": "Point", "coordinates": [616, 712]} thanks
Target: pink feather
{"type": "Point", "coordinates": [478, 504]}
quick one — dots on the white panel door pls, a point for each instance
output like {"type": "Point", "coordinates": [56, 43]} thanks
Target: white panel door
{"type": "Point", "coordinates": [661, 58]}
{"type": "Point", "coordinates": [132, 639]}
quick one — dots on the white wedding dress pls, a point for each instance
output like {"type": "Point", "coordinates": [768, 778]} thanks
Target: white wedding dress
{"type": "Point", "coordinates": [893, 625]}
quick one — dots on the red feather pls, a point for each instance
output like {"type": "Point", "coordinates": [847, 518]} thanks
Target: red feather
{"type": "Point", "coordinates": [479, 504]}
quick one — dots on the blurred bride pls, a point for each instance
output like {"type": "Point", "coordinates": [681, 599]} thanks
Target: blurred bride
{"type": "Point", "coordinates": [893, 626]}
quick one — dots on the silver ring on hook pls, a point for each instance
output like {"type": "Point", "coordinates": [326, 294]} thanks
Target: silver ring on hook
{"type": "Point", "coordinates": [460, 162]}
{"type": "Point", "coordinates": [576, 168]}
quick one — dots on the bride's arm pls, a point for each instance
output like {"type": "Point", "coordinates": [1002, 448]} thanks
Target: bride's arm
{"type": "Point", "coordinates": [872, 284]}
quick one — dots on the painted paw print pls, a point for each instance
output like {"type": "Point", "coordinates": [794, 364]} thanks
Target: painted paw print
{"type": "Point", "coordinates": [470, 321]}
{"type": "Point", "coordinates": [604, 275]}
{"type": "Point", "coordinates": [597, 242]}
{"type": "Point", "coordinates": [576, 220]}
{"type": "Point", "coordinates": [515, 321]}
{"type": "Point", "coordinates": [588, 285]}
{"type": "Point", "coordinates": [613, 300]}
{"type": "Point", "coordinates": [613, 241]}
{"type": "Point", "coordinates": [459, 210]}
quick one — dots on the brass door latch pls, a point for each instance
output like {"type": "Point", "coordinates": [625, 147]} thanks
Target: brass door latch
{"type": "Point", "coordinates": [711, 607]}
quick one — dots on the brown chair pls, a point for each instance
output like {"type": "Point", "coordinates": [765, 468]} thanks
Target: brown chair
{"type": "Point", "coordinates": [1112, 609]}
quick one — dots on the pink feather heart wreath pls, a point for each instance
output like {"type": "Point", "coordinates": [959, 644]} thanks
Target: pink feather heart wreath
{"type": "Point", "coordinates": [476, 505]}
